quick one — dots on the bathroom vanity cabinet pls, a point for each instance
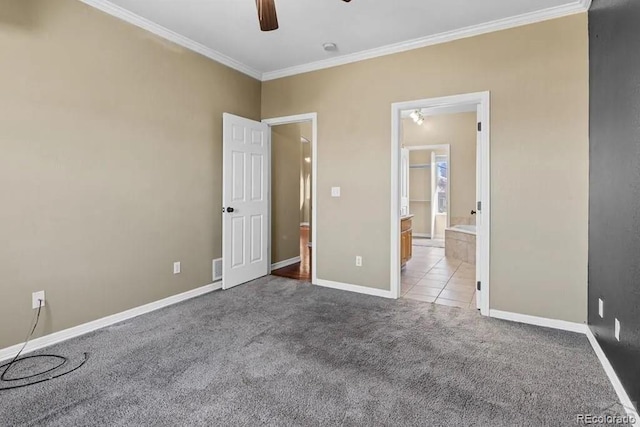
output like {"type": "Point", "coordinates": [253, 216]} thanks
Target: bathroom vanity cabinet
{"type": "Point", "coordinates": [406, 239]}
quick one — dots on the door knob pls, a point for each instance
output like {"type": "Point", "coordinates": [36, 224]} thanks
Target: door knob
{"type": "Point", "coordinates": [230, 210]}
{"type": "Point", "coordinates": [473, 212]}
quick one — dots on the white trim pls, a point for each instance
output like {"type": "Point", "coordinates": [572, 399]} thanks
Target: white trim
{"type": "Point", "coordinates": [582, 329]}
{"type": "Point", "coordinates": [434, 147]}
{"type": "Point", "coordinates": [577, 6]}
{"type": "Point", "coordinates": [613, 378]}
{"type": "Point", "coordinates": [484, 110]}
{"type": "Point", "coordinates": [355, 288]}
{"type": "Point", "coordinates": [482, 99]}
{"type": "Point", "coordinates": [134, 19]}
{"type": "Point", "coordinates": [539, 321]}
{"type": "Point", "coordinates": [285, 263]}
{"type": "Point", "coordinates": [304, 224]}
{"type": "Point", "coordinates": [56, 337]}
{"type": "Point", "coordinates": [108, 7]}
{"type": "Point", "coordinates": [313, 117]}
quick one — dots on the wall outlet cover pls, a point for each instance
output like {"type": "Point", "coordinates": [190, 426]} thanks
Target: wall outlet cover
{"type": "Point", "coordinates": [617, 330]}
{"type": "Point", "coordinates": [358, 261]}
{"type": "Point", "coordinates": [176, 267]}
{"type": "Point", "coordinates": [35, 299]}
{"type": "Point", "coordinates": [335, 191]}
{"type": "Point", "coordinates": [601, 307]}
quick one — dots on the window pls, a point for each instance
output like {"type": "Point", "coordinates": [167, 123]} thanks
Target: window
{"type": "Point", "coordinates": [442, 174]}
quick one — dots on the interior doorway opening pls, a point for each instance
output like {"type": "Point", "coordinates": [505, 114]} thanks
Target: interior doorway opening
{"type": "Point", "coordinates": [291, 201]}
{"type": "Point", "coordinates": [440, 203]}
{"type": "Point", "coordinates": [292, 183]}
{"type": "Point", "coordinates": [426, 192]}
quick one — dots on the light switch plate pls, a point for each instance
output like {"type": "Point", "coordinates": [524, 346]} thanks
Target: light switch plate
{"type": "Point", "coordinates": [176, 267]}
{"type": "Point", "coordinates": [335, 191]}
{"type": "Point", "coordinates": [617, 330]}
{"type": "Point", "coordinates": [601, 307]}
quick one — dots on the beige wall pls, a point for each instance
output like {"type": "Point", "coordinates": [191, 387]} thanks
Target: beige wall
{"type": "Point", "coordinates": [537, 75]}
{"type": "Point", "coordinates": [459, 131]}
{"type": "Point", "coordinates": [111, 164]}
{"type": "Point", "coordinates": [285, 192]}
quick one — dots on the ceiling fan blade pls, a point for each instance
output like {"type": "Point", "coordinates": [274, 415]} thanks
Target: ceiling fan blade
{"type": "Point", "coordinates": [267, 15]}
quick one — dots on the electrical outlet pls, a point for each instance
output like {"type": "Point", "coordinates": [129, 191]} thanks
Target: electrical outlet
{"type": "Point", "coordinates": [617, 330]}
{"type": "Point", "coordinates": [176, 267]}
{"type": "Point", "coordinates": [335, 191]}
{"type": "Point", "coordinates": [35, 299]}
{"type": "Point", "coordinates": [601, 307]}
{"type": "Point", "coordinates": [358, 261]}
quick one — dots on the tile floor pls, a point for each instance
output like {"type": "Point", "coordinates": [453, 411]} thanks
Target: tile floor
{"type": "Point", "coordinates": [432, 277]}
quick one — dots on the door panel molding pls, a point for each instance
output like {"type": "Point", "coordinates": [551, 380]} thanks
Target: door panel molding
{"type": "Point", "coordinates": [246, 154]}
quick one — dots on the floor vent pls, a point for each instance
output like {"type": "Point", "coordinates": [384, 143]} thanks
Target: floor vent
{"type": "Point", "coordinates": [217, 269]}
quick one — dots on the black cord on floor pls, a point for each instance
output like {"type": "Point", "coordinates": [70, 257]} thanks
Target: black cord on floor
{"type": "Point", "coordinates": [62, 361]}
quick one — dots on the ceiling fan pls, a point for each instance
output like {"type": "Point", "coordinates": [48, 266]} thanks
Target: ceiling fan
{"type": "Point", "coordinates": [267, 14]}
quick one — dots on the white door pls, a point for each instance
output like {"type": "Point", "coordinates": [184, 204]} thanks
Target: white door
{"type": "Point", "coordinates": [245, 200]}
{"type": "Point", "coordinates": [404, 184]}
{"type": "Point", "coordinates": [478, 210]}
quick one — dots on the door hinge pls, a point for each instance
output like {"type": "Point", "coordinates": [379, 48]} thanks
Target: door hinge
{"type": "Point", "coordinates": [479, 285]}
{"type": "Point", "coordinates": [479, 126]}
{"type": "Point", "coordinates": [479, 206]}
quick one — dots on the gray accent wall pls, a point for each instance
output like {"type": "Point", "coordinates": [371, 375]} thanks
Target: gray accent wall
{"type": "Point", "coordinates": [614, 184]}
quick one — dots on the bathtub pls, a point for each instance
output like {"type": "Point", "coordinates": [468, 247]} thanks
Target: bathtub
{"type": "Point", "coordinates": [469, 229]}
{"type": "Point", "coordinates": [460, 243]}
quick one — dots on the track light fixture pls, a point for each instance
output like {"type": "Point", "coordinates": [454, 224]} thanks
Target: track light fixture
{"type": "Point", "coordinates": [417, 117]}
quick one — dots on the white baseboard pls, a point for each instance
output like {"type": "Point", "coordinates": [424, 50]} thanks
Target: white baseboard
{"type": "Point", "coordinates": [613, 378]}
{"type": "Point", "coordinates": [422, 235]}
{"type": "Point", "coordinates": [539, 321]}
{"type": "Point", "coordinates": [304, 224]}
{"type": "Point", "coordinates": [354, 288]}
{"type": "Point", "coordinates": [56, 337]}
{"type": "Point", "coordinates": [583, 329]}
{"type": "Point", "coordinates": [285, 263]}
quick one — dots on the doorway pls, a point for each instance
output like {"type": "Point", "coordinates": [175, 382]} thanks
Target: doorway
{"type": "Point", "coordinates": [463, 211]}
{"type": "Point", "coordinates": [247, 197]}
{"type": "Point", "coordinates": [292, 238]}
{"type": "Point", "coordinates": [426, 170]}
{"type": "Point", "coordinates": [291, 201]}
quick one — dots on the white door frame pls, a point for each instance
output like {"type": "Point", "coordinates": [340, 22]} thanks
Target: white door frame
{"type": "Point", "coordinates": [482, 99]}
{"type": "Point", "coordinates": [286, 120]}
{"type": "Point", "coordinates": [436, 147]}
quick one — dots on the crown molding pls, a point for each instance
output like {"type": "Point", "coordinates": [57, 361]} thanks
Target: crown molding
{"type": "Point", "coordinates": [578, 6]}
{"type": "Point", "coordinates": [130, 17]}
{"type": "Point", "coordinates": [106, 6]}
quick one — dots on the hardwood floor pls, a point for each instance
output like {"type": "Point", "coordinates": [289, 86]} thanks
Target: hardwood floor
{"type": "Point", "coordinates": [302, 269]}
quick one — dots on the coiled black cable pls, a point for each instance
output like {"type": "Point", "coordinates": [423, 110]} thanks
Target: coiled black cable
{"type": "Point", "coordinates": [62, 361]}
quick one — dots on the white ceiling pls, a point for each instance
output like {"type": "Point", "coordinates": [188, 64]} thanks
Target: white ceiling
{"type": "Point", "coordinates": [229, 28]}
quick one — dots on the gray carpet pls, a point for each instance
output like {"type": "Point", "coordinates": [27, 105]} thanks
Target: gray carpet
{"type": "Point", "coordinates": [276, 352]}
